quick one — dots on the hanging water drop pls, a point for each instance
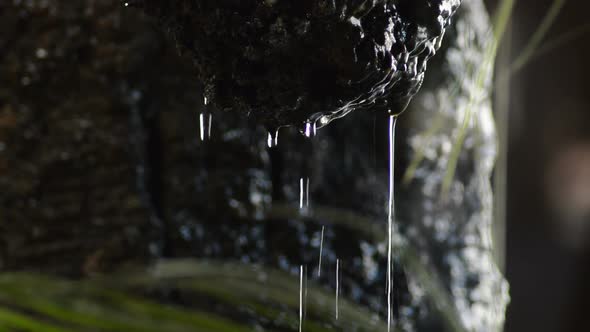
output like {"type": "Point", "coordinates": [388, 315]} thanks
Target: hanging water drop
{"type": "Point", "coordinates": [390, 218]}
{"type": "Point", "coordinates": [321, 251]}
{"type": "Point", "coordinates": [310, 129]}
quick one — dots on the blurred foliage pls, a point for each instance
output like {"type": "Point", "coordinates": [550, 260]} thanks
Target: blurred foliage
{"type": "Point", "coordinates": [533, 48]}
{"type": "Point", "coordinates": [218, 297]}
{"type": "Point", "coordinates": [192, 295]}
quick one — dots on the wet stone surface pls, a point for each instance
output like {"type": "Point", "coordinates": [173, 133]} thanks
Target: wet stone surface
{"type": "Point", "coordinates": [291, 62]}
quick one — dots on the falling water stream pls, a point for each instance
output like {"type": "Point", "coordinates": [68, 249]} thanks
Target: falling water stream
{"type": "Point", "coordinates": [300, 298]}
{"type": "Point", "coordinates": [337, 286]}
{"type": "Point", "coordinates": [273, 139]}
{"type": "Point", "coordinates": [390, 217]}
{"type": "Point", "coordinates": [303, 193]}
{"type": "Point", "coordinates": [310, 131]}
{"type": "Point", "coordinates": [321, 252]}
{"type": "Point", "coordinates": [205, 121]}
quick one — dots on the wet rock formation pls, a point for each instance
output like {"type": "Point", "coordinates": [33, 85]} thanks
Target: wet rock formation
{"type": "Point", "coordinates": [290, 62]}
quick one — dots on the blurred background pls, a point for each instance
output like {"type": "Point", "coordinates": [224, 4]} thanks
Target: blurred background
{"type": "Point", "coordinates": [548, 169]}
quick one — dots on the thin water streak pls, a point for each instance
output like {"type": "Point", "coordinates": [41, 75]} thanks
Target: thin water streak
{"type": "Point", "coordinates": [305, 296]}
{"type": "Point", "coordinates": [307, 193]}
{"type": "Point", "coordinates": [202, 126]}
{"type": "Point", "coordinates": [273, 139]}
{"type": "Point", "coordinates": [300, 298]}
{"type": "Point", "coordinates": [205, 120]}
{"type": "Point", "coordinates": [321, 251]}
{"type": "Point", "coordinates": [303, 193]}
{"type": "Point", "coordinates": [337, 286]}
{"type": "Point", "coordinates": [209, 127]}
{"type": "Point", "coordinates": [390, 217]}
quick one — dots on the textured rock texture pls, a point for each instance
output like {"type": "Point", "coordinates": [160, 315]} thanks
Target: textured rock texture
{"type": "Point", "coordinates": [291, 62]}
{"type": "Point", "coordinates": [68, 200]}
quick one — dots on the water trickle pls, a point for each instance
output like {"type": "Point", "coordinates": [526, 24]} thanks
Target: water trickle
{"type": "Point", "coordinates": [303, 193]}
{"type": "Point", "coordinates": [390, 218]}
{"type": "Point", "coordinates": [300, 298]}
{"type": "Point", "coordinates": [307, 194]}
{"type": "Point", "coordinates": [337, 286]}
{"type": "Point", "coordinates": [205, 120]}
{"type": "Point", "coordinates": [321, 251]}
{"type": "Point", "coordinates": [305, 294]}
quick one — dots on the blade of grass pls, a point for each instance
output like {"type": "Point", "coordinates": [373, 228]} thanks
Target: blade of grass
{"type": "Point", "coordinates": [243, 286]}
{"type": "Point", "coordinates": [564, 38]}
{"type": "Point", "coordinates": [100, 305]}
{"type": "Point", "coordinates": [143, 308]}
{"type": "Point", "coordinates": [83, 305]}
{"type": "Point", "coordinates": [538, 36]}
{"type": "Point", "coordinates": [419, 155]}
{"type": "Point", "coordinates": [12, 320]}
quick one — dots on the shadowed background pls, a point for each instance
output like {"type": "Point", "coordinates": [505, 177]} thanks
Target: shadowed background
{"type": "Point", "coordinates": [548, 170]}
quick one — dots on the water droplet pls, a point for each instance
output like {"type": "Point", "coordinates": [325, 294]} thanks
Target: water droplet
{"type": "Point", "coordinates": [310, 129]}
{"type": "Point", "coordinates": [41, 53]}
